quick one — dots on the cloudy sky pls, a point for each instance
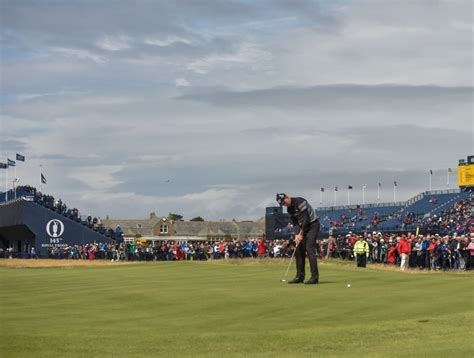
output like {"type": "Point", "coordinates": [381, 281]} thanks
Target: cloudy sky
{"type": "Point", "coordinates": [210, 107]}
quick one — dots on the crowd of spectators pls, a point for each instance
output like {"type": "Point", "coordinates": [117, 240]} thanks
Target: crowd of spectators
{"type": "Point", "coordinates": [141, 250]}
{"type": "Point", "coordinates": [425, 252]}
{"type": "Point", "coordinates": [356, 216]}
{"type": "Point", "coordinates": [456, 219]}
{"type": "Point", "coordinates": [431, 252]}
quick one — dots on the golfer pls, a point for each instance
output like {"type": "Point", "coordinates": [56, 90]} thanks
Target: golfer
{"type": "Point", "coordinates": [306, 223]}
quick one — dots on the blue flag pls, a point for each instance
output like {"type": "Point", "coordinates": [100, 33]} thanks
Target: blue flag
{"type": "Point", "coordinates": [3, 165]}
{"type": "Point", "coordinates": [11, 163]}
{"type": "Point", "coordinates": [20, 157]}
{"type": "Point", "coordinates": [322, 190]}
{"type": "Point", "coordinates": [43, 179]}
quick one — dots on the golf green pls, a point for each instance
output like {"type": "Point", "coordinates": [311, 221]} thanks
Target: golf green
{"type": "Point", "coordinates": [233, 309]}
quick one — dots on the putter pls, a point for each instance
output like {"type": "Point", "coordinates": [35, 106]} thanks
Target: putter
{"type": "Point", "coordinates": [288, 269]}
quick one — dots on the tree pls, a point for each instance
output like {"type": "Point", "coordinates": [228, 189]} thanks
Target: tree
{"type": "Point", "coordinates": [175, 217]}
{"type": "Point", "coordinates": [197, 218]}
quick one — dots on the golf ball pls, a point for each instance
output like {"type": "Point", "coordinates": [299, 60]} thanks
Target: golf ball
{"type": "Point", "coordinates": [348, 285]}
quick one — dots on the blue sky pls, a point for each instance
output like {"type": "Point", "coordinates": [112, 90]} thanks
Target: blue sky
{"type": "Point", "coordinates": [233, 101]}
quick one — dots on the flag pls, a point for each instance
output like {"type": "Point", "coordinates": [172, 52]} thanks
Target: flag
{"type": "Point", "coordinates": [20, 157]}
{"type": "Point", "coordinates": [380, 185]}
{"type": "Point", "coordinates": [322, 190]}
{"type": "Point", "coordinates": [431, 172]}
{"type": "Point", "coordinates": [11, 163]}
{"type": "Point", "coordinates": [3, 166]}
{"type": "Point", "coordinates": [349, 187]}
{"type": "Point", "coordinates": [395, 183]}
{"type": "Point", "coordinates": [335, 189]}
{"type": "Point", "coordinates": [43, 179]}
{"type": "Point", "coordinates": [450, 170]}
{"type": "Point", "coordinates": [364, 186]}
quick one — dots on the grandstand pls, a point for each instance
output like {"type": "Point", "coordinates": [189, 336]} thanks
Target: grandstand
{"type": "Point", "coordinates": [383, 217]}
{"type": "Point", "coordinates": [36, 220]}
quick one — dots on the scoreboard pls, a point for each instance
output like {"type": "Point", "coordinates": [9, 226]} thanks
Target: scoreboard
{"type": "Point", "coordinates": [466, 173]}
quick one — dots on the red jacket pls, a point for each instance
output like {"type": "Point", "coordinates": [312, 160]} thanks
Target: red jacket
{"type": "Point", "coordinates": [352, 240]}
{"type": "Point", "coordinates": [404, 247]}
{"type": "Point", "coordinates": [262, 250]}
{"type": "Point", "coordinates": [391, 258]}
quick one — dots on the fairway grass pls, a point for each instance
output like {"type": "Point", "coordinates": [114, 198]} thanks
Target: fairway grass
{"type": "Point", "coordinates": [232, 309]}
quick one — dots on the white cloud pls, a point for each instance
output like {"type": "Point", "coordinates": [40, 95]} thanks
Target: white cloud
{"type": "Point", "coordinates": [80, 54]}
{"type": "Point", "coordinates": [97, 178]}
{"type": "Point", "coordinates": [247, 54]}
{"type": "Point", "coordinates": [166, 41]}
{"type": "Point", "coordinates": [113, 43]}
{"type": "Point", "coordinates": [182, 82]}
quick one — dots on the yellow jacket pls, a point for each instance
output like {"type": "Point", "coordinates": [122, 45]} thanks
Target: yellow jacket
{"type": "Point", "coordinates": [361, 246]}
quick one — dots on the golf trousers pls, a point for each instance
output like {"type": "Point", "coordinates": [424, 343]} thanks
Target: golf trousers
{"type": "Point", "coordinates": [404, 262]}
{"type": "Point", "coordinates": [361, 260]}
{"type": "Point", "coordinates": [308, 245]}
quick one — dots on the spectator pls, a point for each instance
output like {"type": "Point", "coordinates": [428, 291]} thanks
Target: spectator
{"type": "Point", "coordinates": [404, 251]}
{"type": "Point", "coordinates": [361, 251]}
{"type": "Point", "coordinates": [470, 247]}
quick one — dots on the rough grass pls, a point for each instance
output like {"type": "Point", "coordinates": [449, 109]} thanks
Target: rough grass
{"type": "Point", "coordinates": [231, 309]}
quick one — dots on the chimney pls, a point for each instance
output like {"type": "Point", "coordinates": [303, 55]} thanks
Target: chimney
{"type": "Point", "coordinates": [153, 215]}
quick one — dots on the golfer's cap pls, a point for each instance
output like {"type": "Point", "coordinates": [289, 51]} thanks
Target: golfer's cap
{"type": "Point", "coordinates": [280, 197]}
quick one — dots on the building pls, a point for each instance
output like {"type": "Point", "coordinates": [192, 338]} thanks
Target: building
{"type": "Point", "coordinates": [157, 228]}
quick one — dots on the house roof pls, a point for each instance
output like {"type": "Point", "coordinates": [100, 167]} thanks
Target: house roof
{"type": "Point", "coordinates": [218, 228]}
{"type": "Point", "coordinates": [190, 228]}
{"type": "Point", "coordinates": [134, 227]}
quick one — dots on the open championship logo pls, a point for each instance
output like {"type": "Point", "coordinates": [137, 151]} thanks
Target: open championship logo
{"type": "Point", "coordinates": [55, 228]}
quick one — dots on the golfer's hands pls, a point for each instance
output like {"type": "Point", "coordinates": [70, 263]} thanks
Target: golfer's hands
{"type": "Point", "coordinates": [298, 238]}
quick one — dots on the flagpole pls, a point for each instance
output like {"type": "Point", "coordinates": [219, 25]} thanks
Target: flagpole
{"type": "Point", "coordinates": [448, 179]}
{"type": "Point", "coordinates": [363, 195]}
{"type": "Point", "coordinates": [320, 198]}
{"type": "Point", "coordinates": [348, 196]}
{"type": "Point", "coordinates": [6, 183]}
{"type": "Point", "coordinates": [41, 182]}
{"type": "Point", "coordinates": [394, 193]}
{"type": "Point", "coordinates": [14, 186]}
{"type": "Point", "coordinates": [335, 197]}
{"type": "Point", "coordinates": [378, 193]}
{"type": "Point", "coordinates": [431, 174]}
